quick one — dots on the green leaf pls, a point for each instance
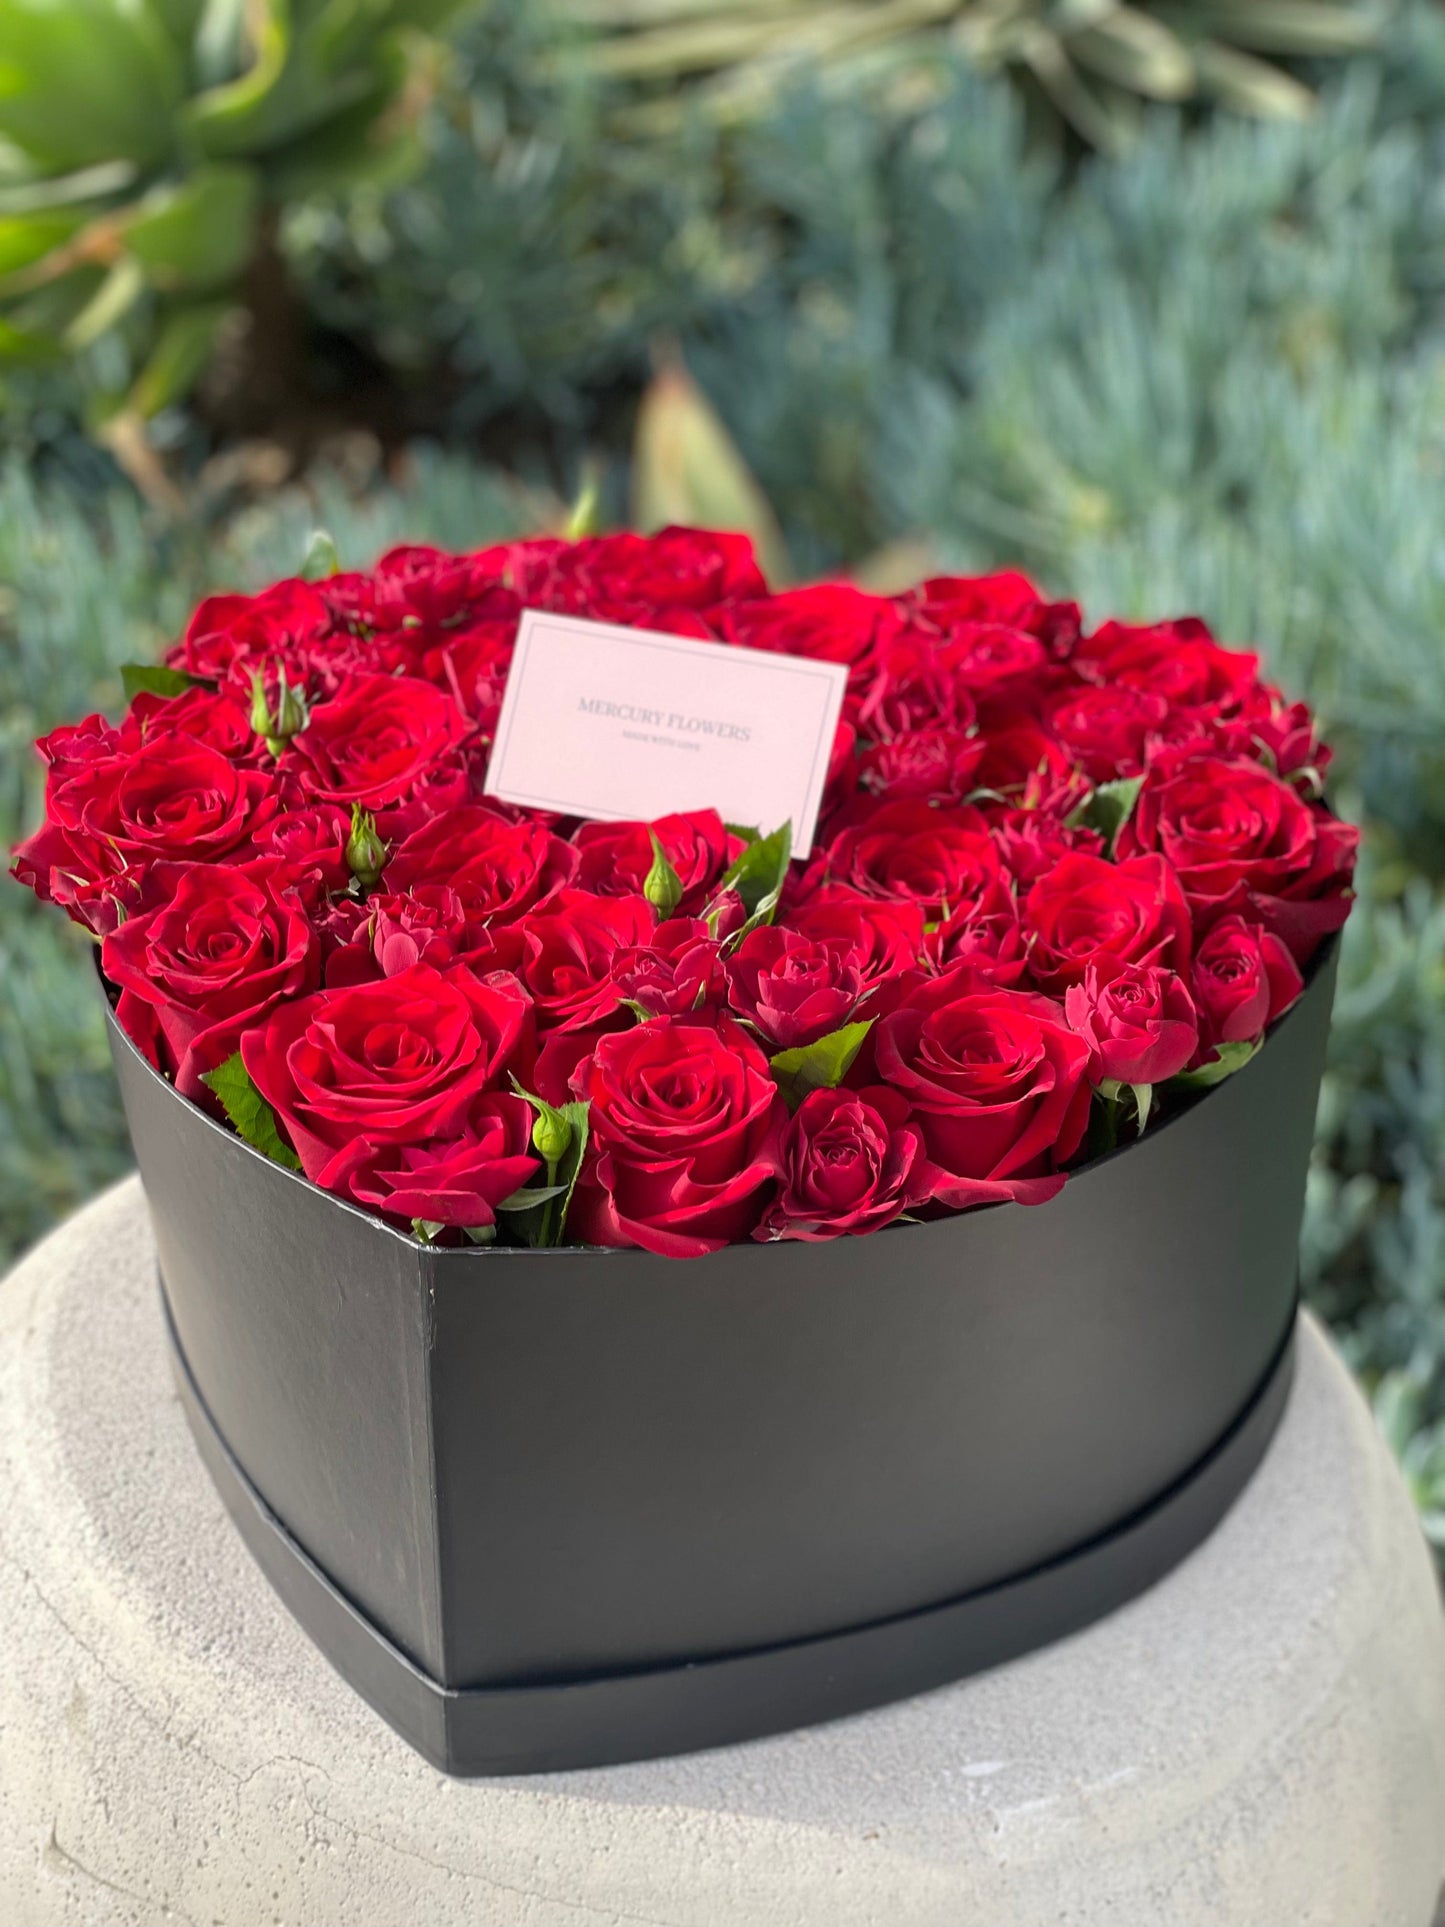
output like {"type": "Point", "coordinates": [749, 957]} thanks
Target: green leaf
{"type": "Point", "coordinates": [251, 1116]}
{"type": "Point", "coordinates": [530, 1196]}
{"type": "Point", "coordinates": [320, 559]}
{"type": "Point", "coordinates": [1143, 1099]}
{"type": "Point", "coordinates": [197, 236]}
{"type": "Point", "coordinates": [153, 679]}
{"type": "Point", "coordinates": [86, 82]}
{"type": "Point", "coordinates": [1107, 809]}
{"type": "Point", "coordinates": [758, 876]}
{"type": "Point", "coordinates": [821, 1065]}
{"type": "Point", "coordinates": [545, 1223]}
{"type": "Point", "coordinates": [1227, 1059]}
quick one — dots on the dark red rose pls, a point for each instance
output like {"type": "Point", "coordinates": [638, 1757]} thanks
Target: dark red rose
{"type": "Point", "coordinates": [652, 580]}
{"type": "Point", "coordinates": [500, 869]}
{"type": "Point", "coordinates": [568, 951]}
{"type": "Point", "coordinates": [794, 988]}
{"type": "Point", "coordinates": [1242, 840]}
{"type": "Point", "coordinates": [613, 859]}
{"type": "Point", "coordinates": [1088, 911]}
{"type": "Point", "coordinates": [1179, 661]}
{"type": "Point", "coordinates": [830, 621]}
{"type": "Point", "coordinates": [398, 1061]}
{"type": "Point", "coordinates": [1281, 735]}
{"type": "Point", "coordinates": [1139, 1022]}
{"type": "Point", "coordinates": [216, 717]}
{"type": "Point", "coordinates": [917, 684]}
{"type": "Point", "coordinates": [674, 973]}
{"type": "Point", "coordinates": [686, 1125]}
{"type": "Point", "coordinates": [473, 665]}
{"type": "Point", "coordinates": [912, 853]}
{"type": "Point", "coordinates": [1106, 728]}
{"type": "Point", "coordinates": [437, 590]}
{"type": "Point", "coordinates": [1031, 768]}
{"type": "Point", "coordinates": [210, 952]}
{"type": "Point", "coordinates": [230, 635]}
{"type": "Point", "coordinates": [1243, 979]}
{"type": "Point", "coordinates": [851, 1163]}
{"type": "Point", "coordinates": [997, 1082]}
{"type": "Point", "coordinates": [1031, 842]}
{"type": "Point", "coordinates": [375, 740]}
{"type": "Point", "coordinates": [930, 766]}
{"type": "Point", "coordinates": [1008, 597]}
{"type": "Point", "coordinates": [458, 1179]}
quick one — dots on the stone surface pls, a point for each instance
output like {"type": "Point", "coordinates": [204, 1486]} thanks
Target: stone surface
{"type": "Point", "coordinates": [1258, 1742]}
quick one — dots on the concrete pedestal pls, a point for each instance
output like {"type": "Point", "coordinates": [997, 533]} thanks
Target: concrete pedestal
{"type": "Point", "coordinates": [1258, 1742]}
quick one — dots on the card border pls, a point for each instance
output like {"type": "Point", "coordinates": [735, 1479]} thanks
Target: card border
{"type": "Point", "coordinates": [811, 668]}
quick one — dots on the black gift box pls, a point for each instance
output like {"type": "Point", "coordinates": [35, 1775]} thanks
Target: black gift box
{"type": "Point", "coordinates": [554, 1508]}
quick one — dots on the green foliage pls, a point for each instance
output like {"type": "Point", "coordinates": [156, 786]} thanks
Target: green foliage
{"type": "Point", "coordinates": [251, 1116]}
{"type": "Point", "coordinates": [1092, 63]}
{"type": "Point", "coordinates": [819, 1066]}
{"type": "Point", "coordinates": [142, 144]}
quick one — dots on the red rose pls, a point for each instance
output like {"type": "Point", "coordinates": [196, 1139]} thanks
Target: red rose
{"type": "Point", "coordinates": [1179, 661]}
{"type": "Point", "coordinates": [830, 621]}
{"type": "Point", "coordinates": [1032, 768]}
{"type": "Point", "coordinates": [390, 933]}
{"type": "Point", "coordinates": [1243, 979]}
{"type": "Point", "coordinates": [1106, 728]}
{"type": "Point", "coordinates": [1088, 911]}
{"type": "Point", "coordinates": [1242, 840]}
{"type": "Point", "coordinates": [997, 1082]}
{"type": "Point", "coordinates": [912, 853]}
{"type": "Point", "coordinates": [851, 1163]}
{"type": "Point", "coordinates": [230, 635]}
{"type": "Point", "coordinates": [931, 766]}
{"type": "Point", "coordinates": [1031, 842]}
{"type": "Point", "coordinates": [918, 684]}
{"type": "Point", "coordinates": [112, 813]}
{"type": "Point", "coordinates": [212, 952]}
{"type": "Point", "coordinates": [1008, 597]}
{"type": "Point", "coordinates": [473, 665]}
{"type": "Point", "coordinates": [567, 953]}
{"type": "Point", "coordinates": [1139, 1022]}
{"type": "Point", "coordinates": [375, 740]}
{"type": "Point", "coordinates": [500, 869]}
{"type": "Point", "coordinates": [312, 838]}
{"type": "Point", "coordinates": [652, 579]}
{"type": "Point", "coordinates": [396, 1062]}
{"type": "Point", "coordinates": [686, 1124]}
{"type": "Point", "coordinates": [613, 859]}
{"type": "Point", "coordinates": [884, 940]}
{"type": "Point", "coordinates": [793, 988]}
{"type": "Point", "coordinates": [674, 972]}
{"type": "Point", "coordinates": [986, 935]}
{"type": "Point", "coordinates": [458, 1179]}
{"type": "Point", "coordinates": [216, 717]}
{"type": "Point", "coordinates": [437, 590]}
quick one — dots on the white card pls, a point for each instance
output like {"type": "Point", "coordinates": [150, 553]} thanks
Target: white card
{"type": "Point", "coordinates": [614, 723]}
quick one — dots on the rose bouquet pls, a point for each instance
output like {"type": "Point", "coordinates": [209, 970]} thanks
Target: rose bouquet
{"type": "Point", "coordinates": [1064, 880]}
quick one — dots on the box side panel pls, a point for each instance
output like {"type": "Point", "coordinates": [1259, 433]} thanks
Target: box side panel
{"type": "Point", "coordinates": [640, 1461]}
{"type": "Point", "coordinates": [304, 1327]}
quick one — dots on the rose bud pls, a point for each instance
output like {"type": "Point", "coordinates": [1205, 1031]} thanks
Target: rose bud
{"type": "Point", "coordinates": [1244, 978]}
{"type": "Point", "coordinates": [289, 717]}
{"type": "Point", "coordinates": [852, 1162]}
{"type": "Point", "coordinates": [793, 989]}
{"type": "Point", "coordinates": [1139, 1022]}
{"type": "Point", "coordinates": [365, 851]}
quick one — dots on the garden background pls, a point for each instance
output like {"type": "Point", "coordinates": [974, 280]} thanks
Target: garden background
{"type": "Point", "coordinates": [918, 285]}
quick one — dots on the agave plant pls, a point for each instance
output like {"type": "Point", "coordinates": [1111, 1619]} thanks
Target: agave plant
{"type": "Point", "coordinates": [1092, 59]}
{"type": "Point", "coordinates": [146, 148]}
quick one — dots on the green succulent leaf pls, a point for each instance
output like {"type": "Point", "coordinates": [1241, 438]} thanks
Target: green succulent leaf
{"type": "Point", "coordinates": [197, 236]}
{"type": "Point", "coordinates": [819, 1066]}
{"type": "Point", "coordinates": [86, 83]}
{"type": "Point", "coordinates": [178, 358]}
{"type": "Point", "coordinates": [251, 1116]}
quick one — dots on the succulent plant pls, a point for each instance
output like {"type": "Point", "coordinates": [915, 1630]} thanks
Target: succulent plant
{"type": "Point", "coordinates": [1093, 60]}
{"type": "Point", "coordinates": [146, 148]}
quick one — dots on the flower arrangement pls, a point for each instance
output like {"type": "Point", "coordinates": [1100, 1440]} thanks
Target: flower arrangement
{"type": "Point", "coordinates": [1064, 880]}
